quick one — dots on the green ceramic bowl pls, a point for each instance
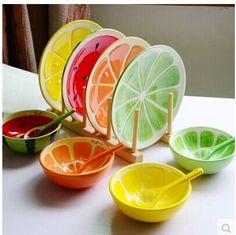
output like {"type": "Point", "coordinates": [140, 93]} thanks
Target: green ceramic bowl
{"type": "Point", "coordinates": [21, 122]}
{"type": "Point", "coordinates": [190, 146]}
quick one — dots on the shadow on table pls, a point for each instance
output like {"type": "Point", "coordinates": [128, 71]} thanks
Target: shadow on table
{"type": "Point", "coordinates": [122, 224]}
{"type": "Point", "coordinates": [205, 182]}
{"type": "Point", "coordinates": [45, 193]}
{"type": "Point", "coordinates": [201, 181]}
{"type": "Point", "coordinates": [175, 164]}
{"type": "Point", "coordinates": [12, 159]}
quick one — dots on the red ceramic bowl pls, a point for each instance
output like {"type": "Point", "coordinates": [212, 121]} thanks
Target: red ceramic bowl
{"type": "Point", "coordinates": [23, 121]}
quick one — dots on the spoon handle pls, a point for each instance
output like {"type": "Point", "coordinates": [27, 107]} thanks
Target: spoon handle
{"type": "Point", "coordinates": [100, 155]}
{"type": "Point", "coordinates": [193, 174]}
{"type": "Point", "coordinates": [219, 146]}
{"type": "Point", "coordinates": [56, 120]}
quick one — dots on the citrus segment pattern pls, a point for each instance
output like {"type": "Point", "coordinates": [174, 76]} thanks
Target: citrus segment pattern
{"type": "Point", "coordinates": [145, 85]}
{"type": "Point", "coordinates": [55, 55]}
{"type": "Point", "coordinates": [69, 156]}
{"type": "Point", "coordinates": [197, 144]}
{"type": "Point", "coordinates": [105, 75]}
{"type": "Point", "coordinates": [80, 65]}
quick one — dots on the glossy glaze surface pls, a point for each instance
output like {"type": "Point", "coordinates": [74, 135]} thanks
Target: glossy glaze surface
{"type": "Point", "coordinates": [55, 56]}
{"type": "Point", "coordinates": [61, 159]}
{"type": "Point", "coordinates": [80, 65]}
{"type": "Point", "coordinates": [21, 122]}
{"type": "Point", "coordinates": [20, 125]}
{"type": "Point", "coordinates": [133, 189]}
{"type": "Point", "coordinates": [190, 147]}
{"type": "Point", "coordinates": [145, 85]}
{"type": "Point", "coordinates": [105, 75]}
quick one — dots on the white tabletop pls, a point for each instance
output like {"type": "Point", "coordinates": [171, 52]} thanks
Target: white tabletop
{"type": "Point", "coordinates": [32, 205]}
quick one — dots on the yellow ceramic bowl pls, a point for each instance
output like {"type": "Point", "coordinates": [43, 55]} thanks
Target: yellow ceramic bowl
{"type": "Point", "coordinates": [133, 191]}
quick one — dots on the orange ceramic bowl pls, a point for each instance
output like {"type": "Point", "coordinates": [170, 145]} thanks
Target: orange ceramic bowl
{"type": "Point", "coordinates": [60, 160]}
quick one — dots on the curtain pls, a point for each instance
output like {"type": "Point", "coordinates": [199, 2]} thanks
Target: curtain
{"type": "Point", "coordinates": [27, 28]}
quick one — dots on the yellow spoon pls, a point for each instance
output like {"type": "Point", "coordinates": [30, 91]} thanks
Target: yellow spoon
{"type": "Point", "coordinates": [193, 174]}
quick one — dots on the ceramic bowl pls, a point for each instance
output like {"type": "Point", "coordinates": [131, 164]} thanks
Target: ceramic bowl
{"type": "Point", "coordinates": [21, 122]}
{"type": "Point", "coordinates": [60, 160]}
{"type": "Point", "coordinates": [132, 190]}
{"type": "Point", "coordinates": [190, 146]}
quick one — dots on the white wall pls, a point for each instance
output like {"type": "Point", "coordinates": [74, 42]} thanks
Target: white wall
{"type": "Point", "coordinates": [203, 36]}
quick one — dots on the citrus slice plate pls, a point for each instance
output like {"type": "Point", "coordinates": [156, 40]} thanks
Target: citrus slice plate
{"type": "Point", "coordinates": [105, 75]}
{"type": "Point", "coordinates": [55, 55]}
{"type": "Point", "coordinates": [80, 65]}
{"type": "Point", "coordinates": [145, 85]}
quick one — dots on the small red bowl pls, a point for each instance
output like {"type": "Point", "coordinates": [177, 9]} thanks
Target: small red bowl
{"type": "Point", "coordinates": [23, 121]}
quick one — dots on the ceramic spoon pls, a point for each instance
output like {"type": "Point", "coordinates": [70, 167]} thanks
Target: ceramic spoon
{"type": "Point", "coordinates": [219, 146]}
{"type": "Point", "coordinates": [36, 131]}
{"type": "Point", "coordinates": [193, 174]}
{"type": "Point", "coordinates": [98, 157]}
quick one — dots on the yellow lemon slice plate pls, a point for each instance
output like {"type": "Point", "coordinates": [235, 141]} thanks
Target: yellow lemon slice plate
{"type": "Point", "coordinates": [55, 56]}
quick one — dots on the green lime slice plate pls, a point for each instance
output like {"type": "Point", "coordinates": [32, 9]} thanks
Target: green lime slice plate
{"type": "Point", "coordinates": [145, 85]}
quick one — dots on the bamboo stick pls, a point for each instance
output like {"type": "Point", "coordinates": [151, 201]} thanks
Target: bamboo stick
{"type": "Point", "coordinates": [84, 108]}
{"type": "Point", "coordinates": [135, 130]}
{"type": "Point", "coordinates": [109, 118]}
{"type": "Point", "coordinates": [170, 113]}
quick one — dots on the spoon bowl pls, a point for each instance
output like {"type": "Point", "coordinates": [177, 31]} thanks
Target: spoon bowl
{"type": "Point", "coordinates": [62, 159]}
{"type": "Point", "coordinates": [217, 147]}
{"type": "Point", "coordinates": [198, 147]}
{"type": "Point", "coordinates": [98, 157]}
{"type": "Point", "coordinates": [128, 187]}
{"type": "Point", "coordinates": [38, 130]}
{"type": "Point", "coordinates": [160, 191]}
{"type": "Point", "coordinates": [20, 122]}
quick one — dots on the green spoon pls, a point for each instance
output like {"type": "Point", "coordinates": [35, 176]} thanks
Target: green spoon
{"type": "Point", "coordinates": [219, 146]}
{"type": "Point", "coordinates": [36, 131]}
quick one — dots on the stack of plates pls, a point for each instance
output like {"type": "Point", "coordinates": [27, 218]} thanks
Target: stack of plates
{"type": "Point", "coordinates": [109, 64]}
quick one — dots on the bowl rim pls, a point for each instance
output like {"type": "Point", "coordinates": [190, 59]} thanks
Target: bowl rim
{"type": "Point", "coordinates": [189, 189]}
{"type": "Point", "coordinates": [28, 113]}
{"type": "Point", "coordinates": [96, 170]}
{"type": "Point", "coordinates": [171, 143]}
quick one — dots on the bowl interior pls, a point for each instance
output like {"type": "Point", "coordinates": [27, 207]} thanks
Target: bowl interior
{"type": "Point", "coordinates": [196, 143]}
{"type": "Point", "coordinates": [21, 122]}
{"type": "Point", "coordinates": [65, 156]}
{"type": "Point", "coordinates": [137, 185]}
